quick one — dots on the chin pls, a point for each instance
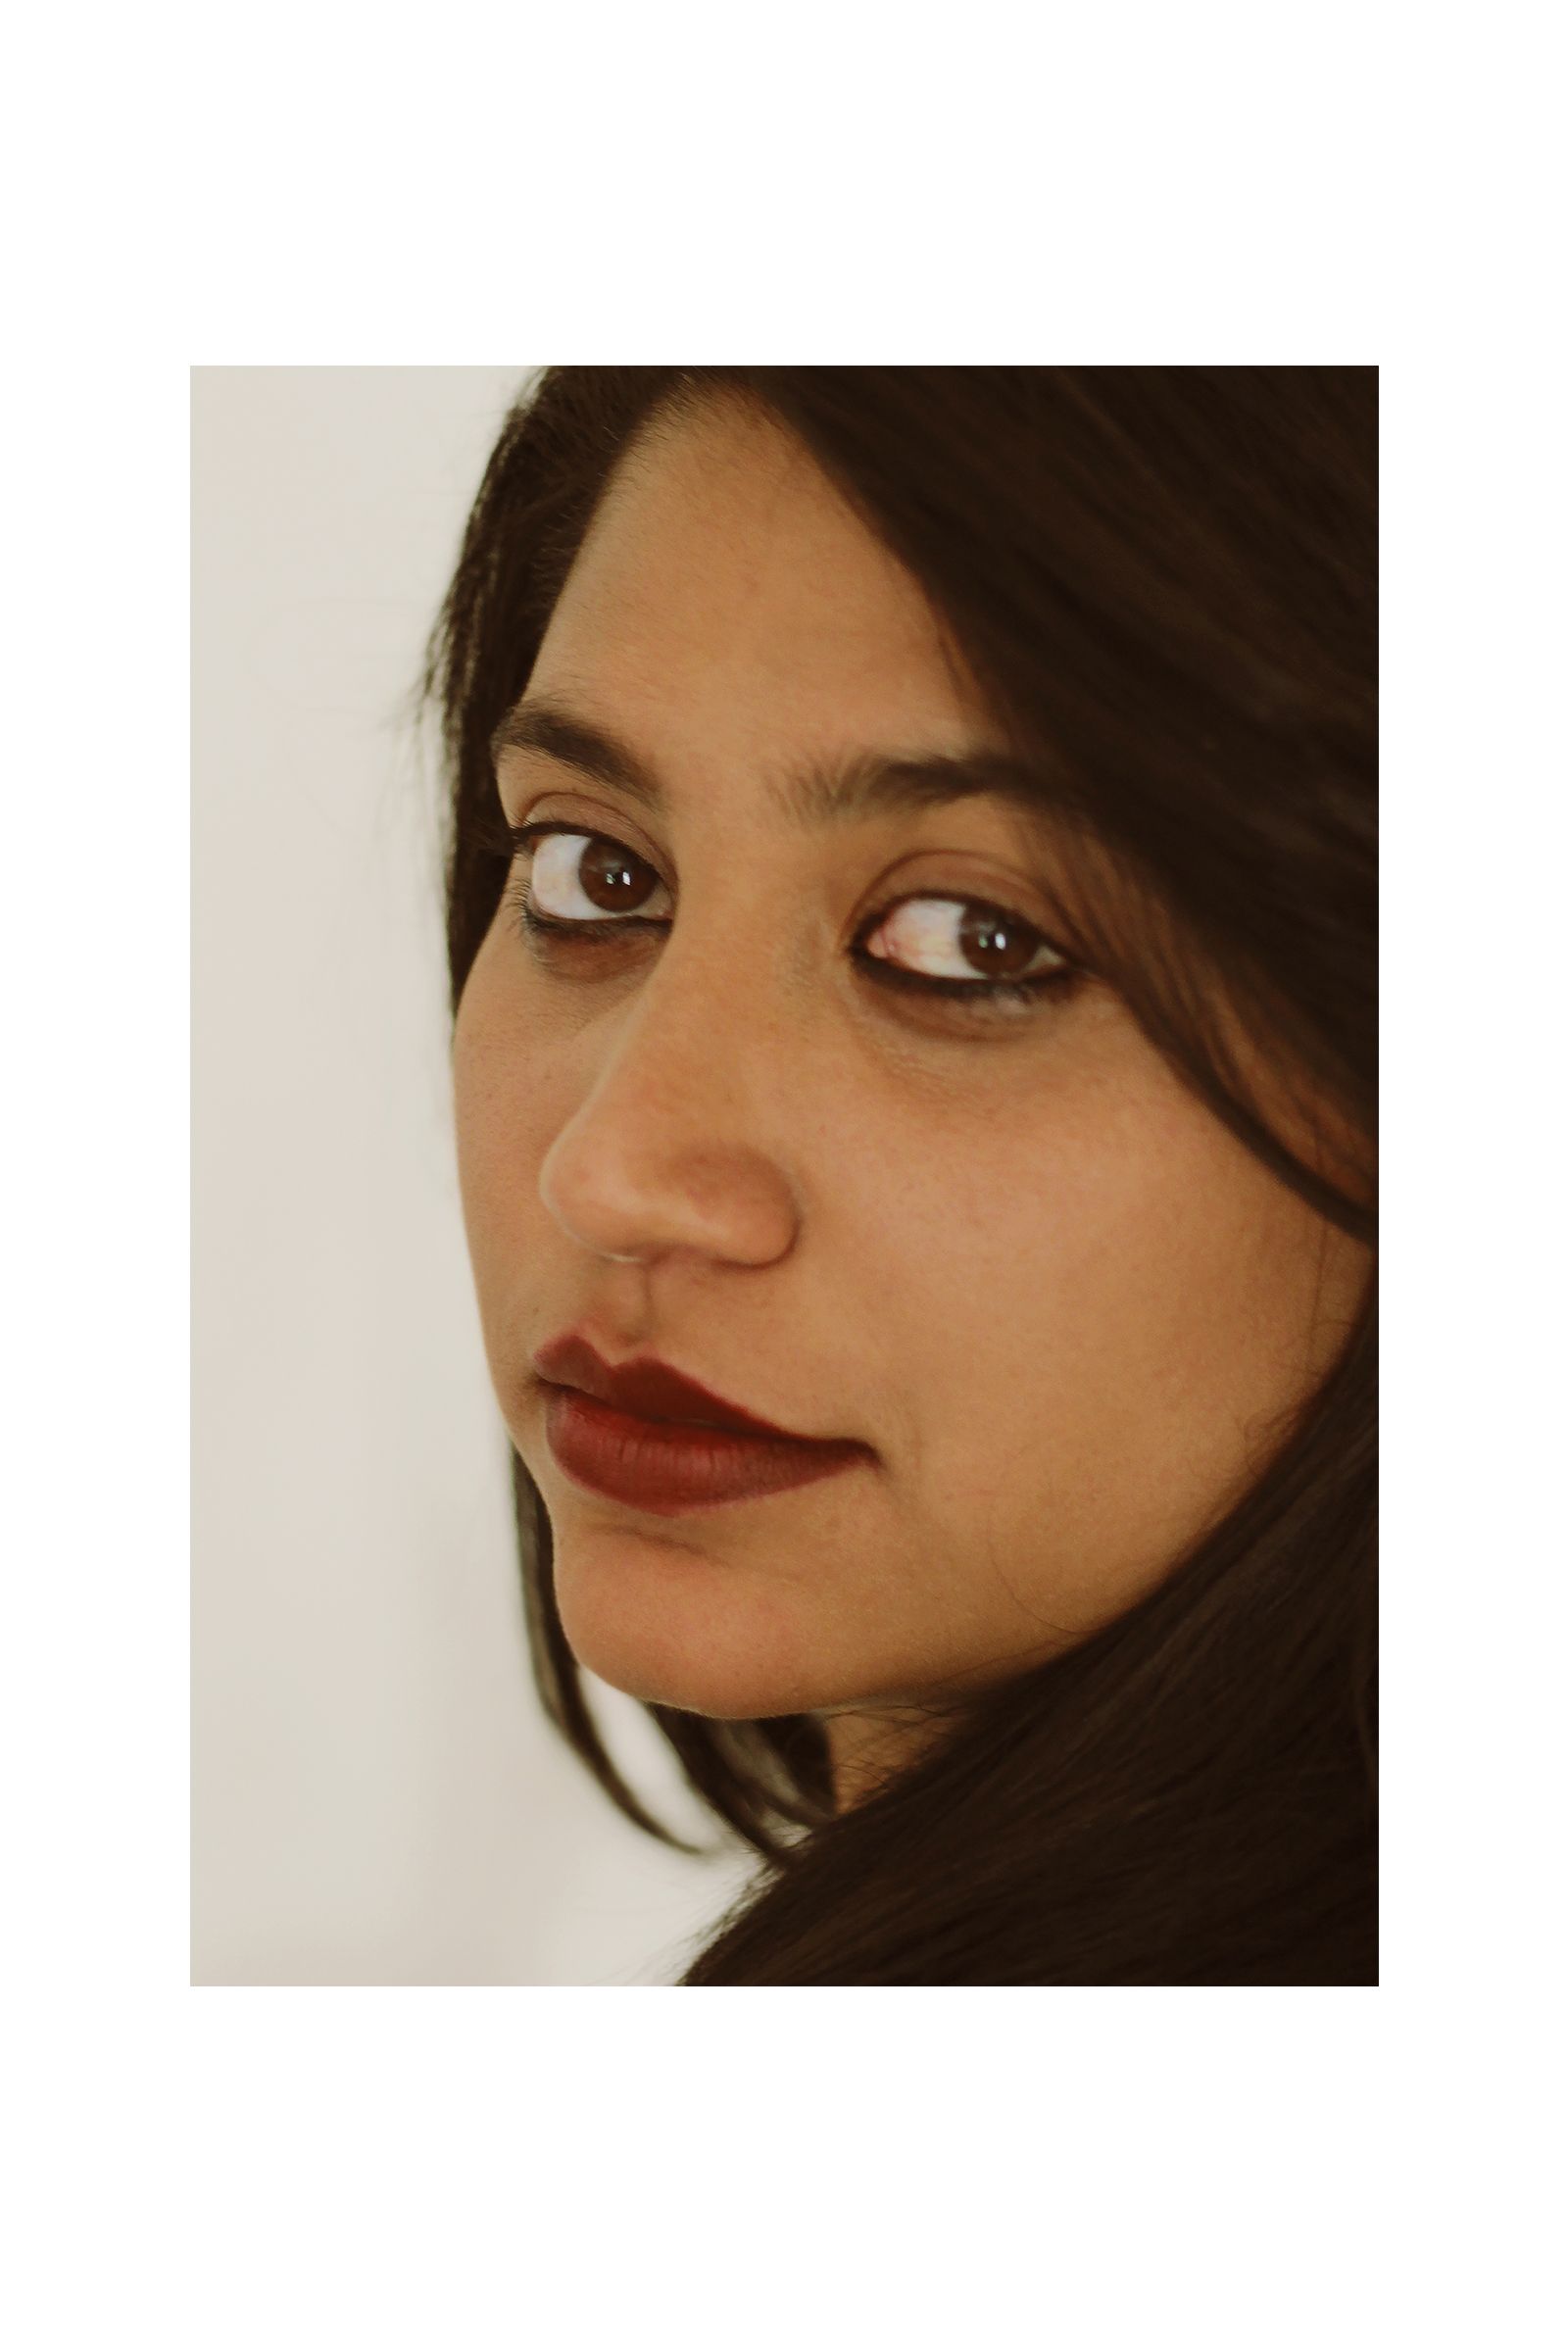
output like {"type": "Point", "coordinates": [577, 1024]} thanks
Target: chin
{"type": "Point", "coordinates": [674, 1627]}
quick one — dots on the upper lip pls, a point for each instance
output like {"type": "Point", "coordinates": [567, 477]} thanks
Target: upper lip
{"type": "Point", "coordinates": [646, 1386]}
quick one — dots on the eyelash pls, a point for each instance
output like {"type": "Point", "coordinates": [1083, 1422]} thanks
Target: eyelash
{"type": "Point", "coordinates": [984, 996]}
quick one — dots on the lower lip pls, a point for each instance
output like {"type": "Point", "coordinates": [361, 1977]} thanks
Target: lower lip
{"type": "Point", "coordinates": [667, 1467]}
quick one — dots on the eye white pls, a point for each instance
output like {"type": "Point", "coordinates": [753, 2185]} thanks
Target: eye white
{"type": "Point", "coordinates": [928, 928]}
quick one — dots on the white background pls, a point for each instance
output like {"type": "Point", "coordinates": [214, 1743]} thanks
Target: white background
{"type": "Point", "coordinates": [377, 1797]}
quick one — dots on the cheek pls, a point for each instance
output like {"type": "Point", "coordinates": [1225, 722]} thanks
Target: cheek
{"type": "Point", "coordinates": [1112, 1316]}
{"type": "Point", "coordinates": [1136, 1237]}
{"type": "Point", "coordinates": [499, 1113]}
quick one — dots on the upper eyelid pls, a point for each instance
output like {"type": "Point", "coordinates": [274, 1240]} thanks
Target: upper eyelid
{"type": "Point", "coordinates": [524, 838]}
{"type": "Point", "coordinates": [521, 835]}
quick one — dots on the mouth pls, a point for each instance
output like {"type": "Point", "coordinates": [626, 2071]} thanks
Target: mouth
{"type": "Point", "coordinates": [644, 1435]}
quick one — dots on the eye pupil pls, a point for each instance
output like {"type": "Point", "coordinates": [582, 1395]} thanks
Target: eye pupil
{"type": "Point", "coordinates": [996, 941]}
{"type": "Point", "coordinates": [611, 877]}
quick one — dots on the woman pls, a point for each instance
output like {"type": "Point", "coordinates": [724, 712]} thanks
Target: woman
{"type": "Point", "coordinates": [912, 926]}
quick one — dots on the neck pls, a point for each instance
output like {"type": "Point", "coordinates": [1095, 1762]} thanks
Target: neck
{"type": "Point", "coordinates": [870, 1746]}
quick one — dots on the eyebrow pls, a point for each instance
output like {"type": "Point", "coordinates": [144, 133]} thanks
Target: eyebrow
{"type": "Point", "coordinates": [839, 790]}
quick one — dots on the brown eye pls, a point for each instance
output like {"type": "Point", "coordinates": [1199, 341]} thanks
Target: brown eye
{"type": "Point", "coordinates": [997, 944]}
{"type": "Point", "coordinates": [962, 939]}
{"type": "Point", "coordinates": [582, 877]}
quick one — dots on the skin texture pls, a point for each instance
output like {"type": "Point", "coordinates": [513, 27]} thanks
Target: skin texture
{"type": "Point", "coordinates": [1013, 1255]}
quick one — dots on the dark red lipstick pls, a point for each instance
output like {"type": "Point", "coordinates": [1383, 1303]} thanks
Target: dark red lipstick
{"type": "Point", "coordinates": [643, 1434]}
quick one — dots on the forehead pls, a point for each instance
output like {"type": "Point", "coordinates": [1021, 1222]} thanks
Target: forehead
{"type": "Point", "coordinates": [727, 596]}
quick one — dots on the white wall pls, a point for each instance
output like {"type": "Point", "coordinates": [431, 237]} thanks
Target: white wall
{"type": "Point", "coordinates": [376, 1798]}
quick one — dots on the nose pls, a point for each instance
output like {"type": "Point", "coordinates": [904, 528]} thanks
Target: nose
{"type": "Point", "coordinates": [671, 1151]}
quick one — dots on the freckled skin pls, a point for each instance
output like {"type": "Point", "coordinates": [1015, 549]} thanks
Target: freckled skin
{"type": "Point", "coordinates": [1070, 1313]}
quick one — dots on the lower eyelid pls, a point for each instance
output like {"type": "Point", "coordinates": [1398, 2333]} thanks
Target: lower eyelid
{"type": "Point", "coordinates": [564, 926]}
{"type": "Point", "coordinates": [954, 987]}
{"type": "Point", "coordinates": [976, 1003]}
{"type": "Point", "coordinates": [1056, 980]}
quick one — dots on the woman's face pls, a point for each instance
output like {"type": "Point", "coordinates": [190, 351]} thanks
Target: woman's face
{"type": "Point", "coordinates": [1064, 1314]}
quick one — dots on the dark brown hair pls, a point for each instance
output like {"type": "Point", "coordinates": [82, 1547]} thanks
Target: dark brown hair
{"type": "Point", "coordinates": [1164, 581]}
